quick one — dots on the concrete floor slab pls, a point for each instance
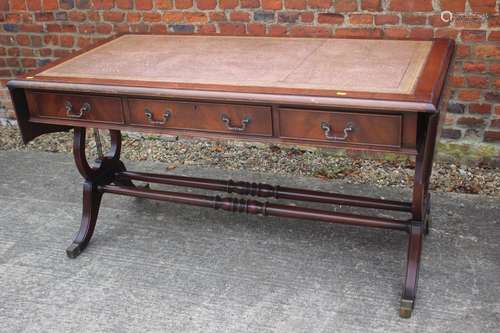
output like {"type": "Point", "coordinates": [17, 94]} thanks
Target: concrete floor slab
{"type": "Point", "coordinates": [161, 267]}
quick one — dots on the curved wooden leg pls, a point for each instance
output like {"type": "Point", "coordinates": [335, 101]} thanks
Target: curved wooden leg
{"type": "Point", "coordinates": [102, 174]}
{"type": "Point", "coordinates": [91, 202]}
{"type": "Point", "coordinates": [412, 268]}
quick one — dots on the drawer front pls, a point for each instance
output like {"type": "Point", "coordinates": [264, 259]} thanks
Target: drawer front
{"type": "Point", "coordinates": [341, 127]}
{"type": "Point", "coordinates": [209, 117]}
{"type": "Point", "coordinates": [77, 107]}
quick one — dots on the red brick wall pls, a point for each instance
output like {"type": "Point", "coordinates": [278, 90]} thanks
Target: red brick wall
{"type": "Point", "coordinates": [34, 32]}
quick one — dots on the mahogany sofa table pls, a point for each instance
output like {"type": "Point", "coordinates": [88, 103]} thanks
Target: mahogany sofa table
{"type": "Point", "coordinates": [373, 95]}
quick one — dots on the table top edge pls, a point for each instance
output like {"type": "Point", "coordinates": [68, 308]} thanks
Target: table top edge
{"type": "Point", "coordinates": [423, 99]}
{"type": "Point", "coordinates": [376, 104]}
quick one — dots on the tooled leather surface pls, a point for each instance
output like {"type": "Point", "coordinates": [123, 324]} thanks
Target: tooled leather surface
{"type": "Point", "coordinates": [386, 66]}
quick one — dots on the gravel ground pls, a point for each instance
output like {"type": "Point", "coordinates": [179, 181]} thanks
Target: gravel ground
{"type": "Point", "coordinates": [302, 161]}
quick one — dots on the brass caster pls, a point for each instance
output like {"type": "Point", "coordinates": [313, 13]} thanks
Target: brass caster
{"type": "Point", "coordinates": [74, 250]}
{"type": "Point", "coordinates": [405, 308]}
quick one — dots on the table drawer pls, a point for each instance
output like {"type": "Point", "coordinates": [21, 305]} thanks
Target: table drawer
{"type": "Point", "coordinates": [209, 117]}
{"type": "Point", "coordinates": [341, 127]}
{"type": "Point", "coordinates": [76, 107]}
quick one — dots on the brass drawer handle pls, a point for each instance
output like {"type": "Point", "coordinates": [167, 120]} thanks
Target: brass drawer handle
{"type": "Point", "coordinates": [227, 123]}
{"type": "Point", "coordinates": [327, 129]}
{"type": "Point", "coordinates": [69, 110]}
{"type": "Point", "coordinates": [149, 116]}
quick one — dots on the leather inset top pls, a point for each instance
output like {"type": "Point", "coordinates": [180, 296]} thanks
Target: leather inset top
{"type": "Point", "coordinates": [381, 66]}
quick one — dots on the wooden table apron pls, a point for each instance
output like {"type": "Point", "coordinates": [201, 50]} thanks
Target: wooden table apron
{"type": "Point", "coordinates": [48, 101]}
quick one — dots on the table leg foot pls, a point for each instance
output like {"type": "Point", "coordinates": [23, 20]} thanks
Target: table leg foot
{"type": "Point", "coordinates": [405, 308]}
{"type": "Point", "coordinates": [74, 250]}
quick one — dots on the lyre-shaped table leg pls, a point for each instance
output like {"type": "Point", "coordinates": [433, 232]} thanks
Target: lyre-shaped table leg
{"type": "Point", "coordinates": [419, 225]}
{"type": "Point", "coordinates": [102, 174]}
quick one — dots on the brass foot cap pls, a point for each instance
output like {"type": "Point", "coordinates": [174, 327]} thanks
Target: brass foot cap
{"type": "Point", "coordinates": [405, 308]}
{"type": "Point", "coordinates": [73, 250]}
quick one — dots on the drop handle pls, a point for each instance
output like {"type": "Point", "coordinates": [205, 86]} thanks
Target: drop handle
{"type": "Point", "coordinates": [327, 129]}
{"type": "Point", "coordinates": [227, 123]}
{"type": "Point", "coordinates": [69, 110]}
{"type": "Point", "coordinates": [149, 115]}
